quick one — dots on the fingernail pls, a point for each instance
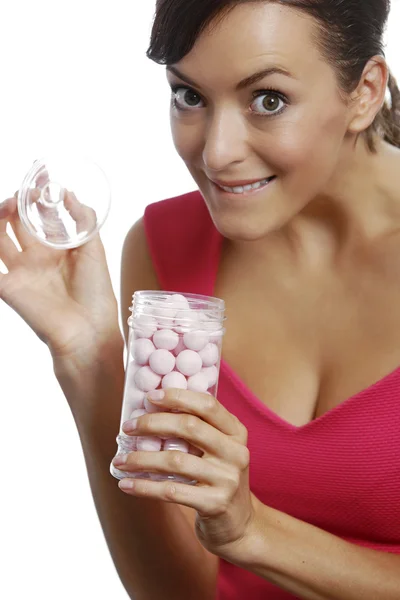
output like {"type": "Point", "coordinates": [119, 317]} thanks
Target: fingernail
{"type": "Point", "coordinates": [126, 484]}
{"type": "Point", "coordinates": [156, 395]}
{"type": "Point", "coordinates": [120, 459]}
{"type": "Point", "coordinates": [130, 426]}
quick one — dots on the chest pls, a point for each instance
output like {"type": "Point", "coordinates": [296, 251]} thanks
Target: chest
{"type": "Point", "coordinates": [303, 345]}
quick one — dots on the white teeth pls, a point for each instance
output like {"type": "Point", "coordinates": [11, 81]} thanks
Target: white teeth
{"type": "Point", "coordinates": [245, 188]}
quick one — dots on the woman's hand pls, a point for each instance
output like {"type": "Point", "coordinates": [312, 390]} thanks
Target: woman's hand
{"type": "Point", "coordinates": [226, 509]}
{"type": "Point", "coordinates": [65, 296]}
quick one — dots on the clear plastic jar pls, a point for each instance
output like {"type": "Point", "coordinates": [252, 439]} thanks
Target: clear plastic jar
{"type": "Point", "coordinates": [175, 341]}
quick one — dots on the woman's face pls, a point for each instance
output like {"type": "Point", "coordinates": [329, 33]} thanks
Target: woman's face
{"type": "Point", "coordinates": [288, 124]}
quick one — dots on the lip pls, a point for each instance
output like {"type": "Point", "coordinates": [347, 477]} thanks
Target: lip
{"type": "Point", "coordinates": [241, 182]}
{"type": "Point", "coordinates": [238, 199]}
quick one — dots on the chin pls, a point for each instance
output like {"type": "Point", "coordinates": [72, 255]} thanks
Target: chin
{"type": "Point", "coordinates": [239, 226]}
{"type": "Point", "coordinates": [248, 217]}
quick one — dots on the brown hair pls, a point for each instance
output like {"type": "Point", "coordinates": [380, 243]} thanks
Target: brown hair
{"type": "Point", "coordinates": [350, 32]}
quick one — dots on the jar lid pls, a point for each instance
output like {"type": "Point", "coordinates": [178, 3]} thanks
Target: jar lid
{"type": "Point", "coordinates": [64, 200]}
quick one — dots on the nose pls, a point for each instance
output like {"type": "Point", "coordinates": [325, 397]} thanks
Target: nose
{"type": "Point", "coordinates": [225, 140]}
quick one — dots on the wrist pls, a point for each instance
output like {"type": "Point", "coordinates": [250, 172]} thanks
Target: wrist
{"type": "Point", "coordinates": [93, 381]}
{"type": "Point", "coordinates": [104, 352]}
{"type": "Point", "coordinates": [247, 551]}
{"type": "Point", "coordinates": [257, 545]}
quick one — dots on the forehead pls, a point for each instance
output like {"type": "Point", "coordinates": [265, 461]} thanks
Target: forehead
{"type": "Point", "coordinates": [253, 35]}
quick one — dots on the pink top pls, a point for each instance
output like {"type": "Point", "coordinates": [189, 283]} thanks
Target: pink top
{"type": "Point", "coordinates": [340, 472]}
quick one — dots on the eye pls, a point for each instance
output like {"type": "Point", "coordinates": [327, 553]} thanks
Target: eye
{"type": "Point", "coordinates": [184, 98]}
{"type": "Point", "coordinates": [268, 103]}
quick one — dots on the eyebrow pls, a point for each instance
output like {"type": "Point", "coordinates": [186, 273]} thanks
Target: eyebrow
{"type": "Point", "coordinates": [242, 84]}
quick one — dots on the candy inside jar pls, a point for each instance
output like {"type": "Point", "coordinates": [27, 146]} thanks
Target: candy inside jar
{"type": "Point", "coordinates": [175, 341]}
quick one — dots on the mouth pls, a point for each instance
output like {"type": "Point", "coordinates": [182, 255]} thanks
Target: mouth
{"type": "Point", "coordinates": [244, 188]}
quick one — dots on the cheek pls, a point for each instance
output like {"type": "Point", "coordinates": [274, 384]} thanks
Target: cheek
{"type": "Point", "coordinates": [310, 146]}
{"type": "Point", "coordinates": [186, 138]}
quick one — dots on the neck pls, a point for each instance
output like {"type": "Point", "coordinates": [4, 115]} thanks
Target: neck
{"type": "Point", "coordinates": [361, 203]}
{"type": "Point", "coordinates": [364, 194]}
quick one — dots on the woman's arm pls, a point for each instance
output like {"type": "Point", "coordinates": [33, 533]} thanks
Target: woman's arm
{"type": "Point", "coordinates": [315, 565]}
{"type": "Point", "coordinates": [152, 543]}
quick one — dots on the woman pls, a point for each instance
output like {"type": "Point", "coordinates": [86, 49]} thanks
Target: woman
{"type": "Point", "coordinates": [278, 110]}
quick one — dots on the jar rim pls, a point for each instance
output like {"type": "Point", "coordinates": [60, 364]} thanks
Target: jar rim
{"type": "Point", "coordinates": [160, 294]}
{"type": "Point", "coordinates": [153, 305]}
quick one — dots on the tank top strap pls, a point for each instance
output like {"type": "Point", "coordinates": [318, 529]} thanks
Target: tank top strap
{"type": "Point", "coordinates": [184, 244]}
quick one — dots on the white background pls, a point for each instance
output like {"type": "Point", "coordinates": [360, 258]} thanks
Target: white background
{"type": "Point", "coordinates": [74, 75]}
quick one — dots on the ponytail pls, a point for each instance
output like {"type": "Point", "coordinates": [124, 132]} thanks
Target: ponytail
{"type": "Point", "coordinates": [387, 122]}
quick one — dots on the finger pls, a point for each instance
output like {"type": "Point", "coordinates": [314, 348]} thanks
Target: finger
{"type": "Point", "coordinates": [42, 178]}
{"type": "Point", "coordinates": [204, 406]}
{"type": "Point", "coordinates": [8, 250]}
{"type": "Point", "coordinates": [53, 227]}
{"type": "Point", "coordinates": [84, 217]}
{"type": "Point", "coordinates": [188, 427]}
{"type": "Point", "coordinates": [205, 500]}
{"type": "Point", "coordinates": [3, 277]}
{"type": "Point", "coordinates": [8, 207]}
{"type": "Point", "coordinates": [24, 238]}
{"type": "Point", "coordinates": [170, 461]}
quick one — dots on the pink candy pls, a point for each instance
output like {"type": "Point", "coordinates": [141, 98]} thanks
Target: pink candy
{"type": "Point", "coordinates": [180, 347]}
{"type": "Point", "coordinates": [174, 380]}
{"type": "Point", "coordinates": [166, 339]}
{"type": "Point", "coordinates": [150, 407]}
{"type": "Point", "coordinates": [148, 443]}
{"type": "Point", "coordinates": [172, 348]}
{"type": "Point", "coordinates": [162, 362]}
{"type": "Point", "coordinates": [146, 326]}
{"type": "Point", "coordinates": [198, 382]}
{"type": "Point", "coordinates": [209, 355]}
{"type": "Point", "coordinates": [179, 302]}
{"type": "Point", "coordinates": [139, 412]}
{"type": "Point", "coordinates": [146, 380]}
{"type": "Point", "coordinates": [188, 362]}
{"type": "Point", "coordinates": [135, 398]}
{"type": "Point", "coordinates": [176, 444]}
{"type": "Point", "coordinates": [212, 374]}
{"type": "Point", "coordinates": [195, 340]}
{"type": "Point", "coordinates": [142, 349]}
{"type": "Point", "coordinates": [184, 320]}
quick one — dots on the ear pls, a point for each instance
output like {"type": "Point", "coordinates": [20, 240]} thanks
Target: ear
{"type": "Point", "coordinates": [369, 96]}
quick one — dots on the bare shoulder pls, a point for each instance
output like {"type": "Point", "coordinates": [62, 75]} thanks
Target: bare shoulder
{"type": "Point", "coordinates": [137, 269]}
